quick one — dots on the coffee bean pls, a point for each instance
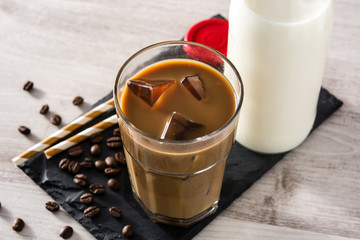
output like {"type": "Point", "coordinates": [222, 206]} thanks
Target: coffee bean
{"type": "Point", "coordinates": [96, 138]}
{"type": "Point", "coordinates": [52, 206]}
{"type": "Point", "coordinates": [28, 86]}
{"type": "Point", "coordinates": [127, 231]}
{"type": "Point", "coordinates": [95, 150]}
{"type": "Point", "coordinates": [111, 162]}
{"type": "Point", "coordinates": [86, 198]}
{"type": "Point", "coordinates": [75, 151]}
{"type": "Point", "coordinates": [116, 132]}
{"type": "Point", "coordinates": [74, 167]}
{"type": "Point", "coordinates": [78, 100]}
{"type": "Point", "coordinates": [91, 211]}
{"type": "Point", "coordinates": [18, 225]}
{"type": "Point", "coordinates": [64, 163]}
{"type": "Point", "coordinates": [24, 130]}
{"type": "Point", "coordinates": [100, 165]}
{"type": "Point", "coordinates": [86, 163]}
{"type": "Point", "coordinates": [111, 172]}
{"type": "Point", "coordinates": [114, 184]}
{"type": "Point", "coordinates": [0, 205]}
{"type": "Point", "coordinates": [55, 119]}
{"type": "Point", "coordinates": [66, 232]}
{"type": "Point", "coordinates": [120, 157]}
{"type": "Point", "coordinates": [114, 142]}
{"type": "Point", "coordinates": [81, 180]}
{"type": "Point", "coordinates": [44, 109]}
{"type": "Point", "coordinates": [97, 188]}
{"type": "Point", "coordinates": [115, 211]}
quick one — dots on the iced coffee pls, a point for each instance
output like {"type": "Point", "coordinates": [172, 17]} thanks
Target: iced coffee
{"type": "Point", "coordinates": [177, 118]}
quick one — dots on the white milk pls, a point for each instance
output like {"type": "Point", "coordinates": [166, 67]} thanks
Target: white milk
{"type": "Point", "coordinates": [279, 48]}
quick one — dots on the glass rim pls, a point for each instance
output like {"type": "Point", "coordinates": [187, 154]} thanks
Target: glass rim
{"type": "Point", "coordinates": [309, 19]}
{"type": "Point", "coordinates": [169, 141]}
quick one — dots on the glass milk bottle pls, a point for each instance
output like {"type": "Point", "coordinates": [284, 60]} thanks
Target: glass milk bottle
{"type": "Point", "coordinates": [279, 48]}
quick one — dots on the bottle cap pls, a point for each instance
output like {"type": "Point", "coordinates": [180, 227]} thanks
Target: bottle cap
{"type": "Point", "coordinates": [212, 32]}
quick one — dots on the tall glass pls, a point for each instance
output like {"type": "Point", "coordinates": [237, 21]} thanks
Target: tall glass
{"type": "Point", "coordinates": [279, 47]}
{"type": "Point", "coordinates": [177, 182]}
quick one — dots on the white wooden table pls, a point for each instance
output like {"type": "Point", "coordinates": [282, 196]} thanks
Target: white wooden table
{"type": "Point", "coordinates": [75, 47]}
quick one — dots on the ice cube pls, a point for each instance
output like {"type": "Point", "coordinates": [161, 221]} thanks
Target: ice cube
{"type": "Point", "coordinates": [177, 125]}
{"type": "Point", "coordinates": [149, 90]}
{"type": "Point", "coordinates": [195, 85]}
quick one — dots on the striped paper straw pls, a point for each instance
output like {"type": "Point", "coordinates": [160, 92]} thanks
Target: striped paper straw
{"type": "Point", "coordinates": [58, 148]}
{"type": "Point", "coordinates": [63, 132]}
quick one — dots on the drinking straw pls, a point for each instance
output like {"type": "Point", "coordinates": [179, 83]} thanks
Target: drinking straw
{"type": "Point", "coordinates": [61, 146]}
{"type": "Point", "coordinates": [63, 132]}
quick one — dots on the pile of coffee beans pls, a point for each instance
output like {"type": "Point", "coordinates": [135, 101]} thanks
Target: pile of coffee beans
{"type": "Point", "coordinates": [55, 119]}
{"type": "Point", "coordinates": [110, 166]}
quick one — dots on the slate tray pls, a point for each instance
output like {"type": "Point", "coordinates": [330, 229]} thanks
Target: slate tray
{"type": "Point", "coordinates": [243, 168]}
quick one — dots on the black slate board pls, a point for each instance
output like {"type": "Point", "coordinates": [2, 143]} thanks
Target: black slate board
{"type": "Point", "coordinates": [243, 168]}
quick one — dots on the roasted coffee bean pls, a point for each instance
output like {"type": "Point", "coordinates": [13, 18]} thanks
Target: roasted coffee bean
{"type": "Point", "coordinates": [91, 211]}
{"type": "Point", "coordinates": [64, 163]}
{"type": "Point", "coordinates": [116, 132]}
{"type": "Point", "coordinates": [75, 151]}
{"type": "Point", "coordinates": [111, 172]}
{"type": "Point", "coordinates": [86, 163]}
{"type": "Point", "coordinates": [66, 232]}
{"type": "Point", "coordinates": [52, 206]}
{"type": "Point", "coordinates": [28, 86]}
{"type": "Point", "coordinates": [78, 100]}
{"type": "Point", "coordinates": [55, 119]}
{"type": "Point", "coordinates": [111, 162]}
{"type": "Point", "coordinates": [115, 211]}
{"type": "Point", "coordinates": [81, 179]}
{"type": "Point", "coordinates": [86, 198]}
{"type": "Point", "coordinates": [95, 150]}
{"type": "Point", "coordinates": [96, 138]}
{"type": "Point", "coordinates": [74, 167]}
{"type": "Point", "coordinates": [0, 205]}
{"type": "Point", "coordinates": [44, 109]}
{"type": "Point", "coordinates": [114, 142]}
{"type": "Point", "coordinates": [24, 130]}
{"type": "Point", "coordinates": [127, 231]}
{"type": "Point", "coordinates": [120, 157]}
{"type": "Point", "coordinates": [97, 188]}
{"type": "Point", "coordinates": [18, 225]}
{"type": "Point", "coordinates": [114, 184]}
{"type": "Point", "coordinates": [100, 165]}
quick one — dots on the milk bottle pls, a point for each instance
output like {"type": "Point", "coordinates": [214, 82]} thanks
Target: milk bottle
{"type": "Point", "coordinates": [279, 48]}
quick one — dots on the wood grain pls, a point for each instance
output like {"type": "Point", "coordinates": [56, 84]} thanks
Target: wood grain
{"type": "Point", "coordinates": [75, 47]}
